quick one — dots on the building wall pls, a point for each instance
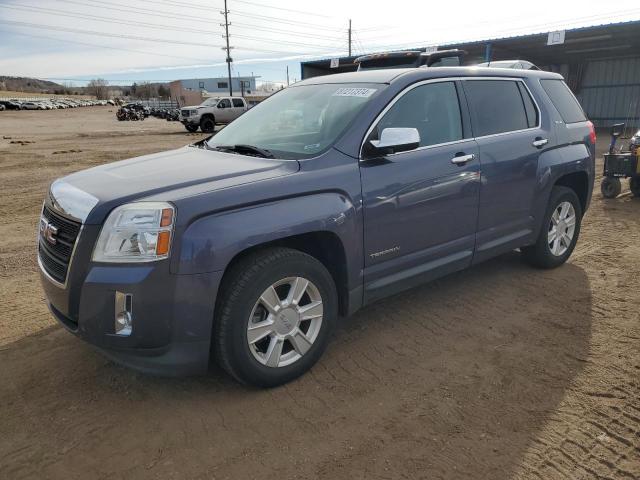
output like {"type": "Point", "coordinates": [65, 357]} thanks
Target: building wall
{"type": "Point", "coordinates": [220, 85]}
{"type": "Point", "coordinates": [610, 91]}
{"type": "Point", "coordinates": [184, 97]}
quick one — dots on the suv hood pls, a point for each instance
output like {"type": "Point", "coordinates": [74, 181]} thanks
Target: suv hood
{"type": "Point", "coordinates": [90, 194]}
{"type": "Point", "coordinates": [195, 107]}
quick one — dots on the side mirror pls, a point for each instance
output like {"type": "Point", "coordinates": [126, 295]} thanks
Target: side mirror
{"type": "Point", "coordinates": [617, 130]}
{"type": "Point", "coordinates": [394, 140]}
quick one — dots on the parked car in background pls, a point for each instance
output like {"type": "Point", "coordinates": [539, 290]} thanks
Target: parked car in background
{"type": "Point", "coordinates": [31, 106]}
{"type": "Point", "coordinates": [10, 104]}
{"type": "Point", "coordinates": [215, 110]}
{"type": "Point", "coordinates": [328, 196]}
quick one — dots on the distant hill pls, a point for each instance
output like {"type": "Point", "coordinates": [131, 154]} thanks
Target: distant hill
{"type": "Point", "coordinates": [32, 85]}
{"type": "Point", "coordinates": [35, 85]}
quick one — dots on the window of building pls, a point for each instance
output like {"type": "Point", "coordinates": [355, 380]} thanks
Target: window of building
{"type": "Point", "coordinates": [201, 85]}
{"type": "Point", "coordinates": [223, 84]}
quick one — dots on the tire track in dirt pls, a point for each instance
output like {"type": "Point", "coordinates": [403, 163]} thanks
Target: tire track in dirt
{"type": "Point", "coordinates": [518, 374]}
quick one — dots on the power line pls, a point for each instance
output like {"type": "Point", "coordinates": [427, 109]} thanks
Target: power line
{"type": "Point", "coordinates": [108, 47]}
{"type": "Point", "coordinates": [141, 38]}
{"type": "Point", "coordinates": [128, 9]}
{"type": "Point", "coordinates": [286, 22]}
{"type": "Point", "coordinates": [105, 34]}
{"type": "Point", "coordinates": [285, 42]}
{"type": "Point", "coordinates": [256, 4]}
{"type": "Point", "coordinates": [285, 9]}
{"type": "Point", "coordinates": [66, 13]}
{"type": "Point", "coordinates": [288, 32]}
{"type": "Point", "coordinates": [192, 17]}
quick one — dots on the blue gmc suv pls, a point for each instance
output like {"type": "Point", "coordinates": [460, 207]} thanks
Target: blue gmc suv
{"type": "Point", "coordinates": [336, 192]}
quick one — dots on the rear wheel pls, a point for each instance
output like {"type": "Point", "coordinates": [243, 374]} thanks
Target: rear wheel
{"type": "Point", "coordinates": [207, 124]}
{"type": "Point", "coordinates": [191, 128]}
{"type": "Point", "coordinates": [634, 185]}
{"type": "Point", "coordinates": [610, 187]}
{"type": "Point", "coordinates": [275, 314]}
{"type": "Point", "coordinates": [560, 230]}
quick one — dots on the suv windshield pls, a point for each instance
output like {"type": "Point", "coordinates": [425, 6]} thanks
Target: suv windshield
{"type": "Point", "coordinates": [298, 122]}
{"type": "Point", "coordinates": [210, 102]}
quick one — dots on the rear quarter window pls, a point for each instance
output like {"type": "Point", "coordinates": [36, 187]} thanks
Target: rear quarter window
{"type": "Point", "coordinates": [564, 101]}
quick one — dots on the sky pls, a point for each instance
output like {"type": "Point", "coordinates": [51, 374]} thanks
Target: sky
{"type": "Point", "coordinates": [163, 40]}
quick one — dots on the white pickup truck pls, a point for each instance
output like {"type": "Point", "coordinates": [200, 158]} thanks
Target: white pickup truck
{"type": "Point", "coordinates": [212, 111]}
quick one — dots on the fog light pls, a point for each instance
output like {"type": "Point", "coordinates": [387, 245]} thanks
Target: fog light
{"type": "Point", "coordinates": [123, 313]}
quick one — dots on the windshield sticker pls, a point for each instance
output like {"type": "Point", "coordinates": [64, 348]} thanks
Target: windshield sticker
{"type": "Point", "coordinates": [313, 146]}
{"type": "Point", "coordinates": [354, 92]}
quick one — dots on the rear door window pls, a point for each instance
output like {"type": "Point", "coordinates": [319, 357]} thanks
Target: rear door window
{"type": "Point", "coordinates": [238, 102]}
{"type": "Point", "coordinates": [433, 109]}
{"type": "Point", "coordinates": [564, 101]}
{"type": "Point", "coordinates": [496, 106]}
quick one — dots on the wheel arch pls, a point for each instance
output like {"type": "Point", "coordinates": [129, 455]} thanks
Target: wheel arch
{"type": "Point", "coordinates": [324, 246]}
{"type": "Point", "coordinates": [324, 225]}
{"type": "Point", "coordinates": [579, 183]}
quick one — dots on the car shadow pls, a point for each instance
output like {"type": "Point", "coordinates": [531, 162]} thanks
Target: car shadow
{"type": "Point", "coordinates": [454, 379]}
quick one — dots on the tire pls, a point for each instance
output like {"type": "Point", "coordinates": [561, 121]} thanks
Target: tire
{"type": "Point", "coordinates": [191, 128]}
{"type": "Point", "coordinates": [610, 187]}
{"type": "Point", "coordinates": [207, 124]}
{"type": "Point", "coordinates": [541, 254]}
{"type": "Point", "coordinates": [634, 185]}
{"type": "Point", "coordinates": [239, 302]}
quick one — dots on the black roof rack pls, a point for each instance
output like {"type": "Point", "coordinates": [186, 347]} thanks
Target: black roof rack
{"type": "Point", "coordinates": [410, 59]}
{"type": "Point", "coordinates": [515, 64]}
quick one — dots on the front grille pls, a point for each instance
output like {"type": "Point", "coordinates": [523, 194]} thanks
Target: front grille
{"type": "Point", "coordinates": [185, 113]}
{"type": "Point", "coordinates": [55, 258]}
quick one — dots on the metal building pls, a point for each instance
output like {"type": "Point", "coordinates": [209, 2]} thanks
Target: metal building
{"type": "Point", "coordinates": [601, 64]}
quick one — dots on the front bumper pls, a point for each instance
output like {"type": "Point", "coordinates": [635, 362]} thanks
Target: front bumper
{"type": "Point", "coordinates": [172, 314]}
{"type": "Point", "coordinates": [190, 120]}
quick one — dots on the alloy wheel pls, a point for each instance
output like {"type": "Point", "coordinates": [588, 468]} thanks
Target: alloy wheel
{"type": "Point", "coordinates": [285, 322]}
{"type": "Point", "coordinates": [562, 227]}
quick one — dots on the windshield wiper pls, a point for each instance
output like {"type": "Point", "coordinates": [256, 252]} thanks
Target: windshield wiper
{"type": "Point", "coordinates": [244, 149]}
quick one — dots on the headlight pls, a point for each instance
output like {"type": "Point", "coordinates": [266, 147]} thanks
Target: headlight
{"type": "Point", "coordinates": [136, 232]}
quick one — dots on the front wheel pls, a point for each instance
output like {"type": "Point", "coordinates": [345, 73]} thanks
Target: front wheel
{"type": "Point", "coordinates": [207, 125]}
{"type": "Point", "coordinates": [610, 187]}
{"type": "Point", "coordinates": [560, 231]}
{"type": "Point", "coordinates": [274, 317]}
{"type": "Point", "coordinates": [634, 185]}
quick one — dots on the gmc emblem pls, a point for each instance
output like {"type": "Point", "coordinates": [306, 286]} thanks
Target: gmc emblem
{"type": "Point", "coordinates": [48, 231]}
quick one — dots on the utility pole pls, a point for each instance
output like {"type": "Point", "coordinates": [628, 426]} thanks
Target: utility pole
{"type": "Point", "coordinates": [227, 48]}
{"type": "Point", "coordinates": [287, 75]}
{"type": "Point", "coordinates": [349, 37]}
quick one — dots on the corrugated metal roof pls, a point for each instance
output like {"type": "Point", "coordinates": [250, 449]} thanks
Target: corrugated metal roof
{"type": "Point", "coordinates": [524, 36]}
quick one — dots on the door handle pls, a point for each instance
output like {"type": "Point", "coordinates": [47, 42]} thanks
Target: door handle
{"type": "Point", "coordinates": [540, 142]}
{"type": "Point", "coordinates": [461, 159]}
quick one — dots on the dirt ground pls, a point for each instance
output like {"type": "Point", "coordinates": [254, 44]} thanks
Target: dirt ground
{"type": "Point", "coordinates": [499, 372]}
